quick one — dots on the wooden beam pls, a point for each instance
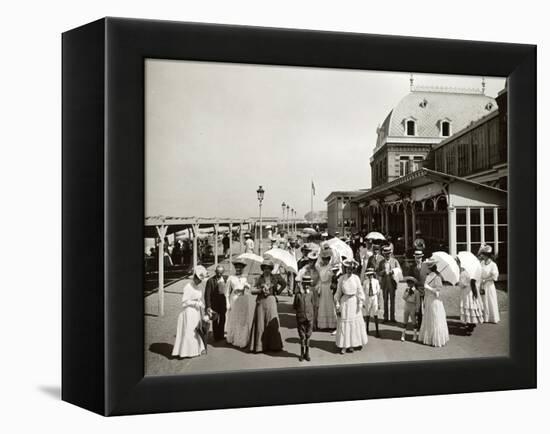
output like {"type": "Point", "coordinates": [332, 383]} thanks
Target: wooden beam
{"type": "Point", "coordinates": [161, 230]}
{"type": "Point", "coordinates": [195, 244]}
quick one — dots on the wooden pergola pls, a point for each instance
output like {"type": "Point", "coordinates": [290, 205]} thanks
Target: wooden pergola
{"type": "Point", "coordinates": [162, 226]}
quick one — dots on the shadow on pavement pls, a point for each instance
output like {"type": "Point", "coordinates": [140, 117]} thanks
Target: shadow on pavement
{"type": "Point", "coordinates": [392, 335]}
{"type": "Point", "coordinates": [456, 328]}
{"type": "Point", "coordinates": [163, 349]}
{"type": "Point", "coordinates": [328, 346]}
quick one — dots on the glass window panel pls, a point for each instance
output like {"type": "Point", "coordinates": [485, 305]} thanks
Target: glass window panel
{"type": "Point", "coordinates": [489, 233]}
{"type": "Point", "coordinates": [461, 216]}
{"type": "Point", "coordinates": [461, 247]}
{"type": "Point", "coordinates": [475, 248]}
{"type": "Point", "coordinates": [475, 233]}
{"type": "Point", "coordinates": [502, 216]}
{"type": "Point", "coordinates": [489, 216]}
{"type": "Point", "coordinates": [474, 216]}
{"type": "Point", "coordinates": [502, 233]}
{"type": "Point", "coordinates": [461, 234]}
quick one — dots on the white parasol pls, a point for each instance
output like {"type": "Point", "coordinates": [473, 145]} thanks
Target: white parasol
{"type": "Point", "coordinates": [471, 264]}
{"type": "Point", "coordinates": [309, 231]}
{"type": "Point", "coordinates": [340, 247]}
{"type": "Point", "coordinates": [284, 258]}
{"type": "Point", "coordinates": [447, 267]}
{"type": "Point", "coordinates": [251, 259]}
{"type": "Point", "coordinates": [375, 236]}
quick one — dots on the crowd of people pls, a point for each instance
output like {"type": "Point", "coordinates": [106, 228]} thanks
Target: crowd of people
{"type": "Point", "coordinates": [332, 294]}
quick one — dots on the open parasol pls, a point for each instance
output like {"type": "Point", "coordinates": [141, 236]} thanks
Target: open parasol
{"type": "Point", "coordinates": [251, 259]}
{"type": "Point", "coordinates": [471, 264]}
{"type": "Point", "coordinates": [340, 247]}
{"type": "Point", "coordinates": [375, 236]}
{"type": "Point", "coordinates": [284, 258]}
{"type": "Point", "coordinates": [447, 267]}
{"type": "Point", "coordinates": [309, 231]}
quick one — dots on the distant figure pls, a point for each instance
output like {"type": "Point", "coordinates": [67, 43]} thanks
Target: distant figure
{"type": "Point", "coordinates": [241, 310]}
{"type": "Point", "coordinates": [419, 243]}
{"type": "Point", "coordinates": [386, 271]}
{"type": "Point", "coordinates": [225, 244]}
{"type": "Point", "coordinates": [411, 296]}
{"type": "Point", "coordinates": [248, 243]}
{"type": "Point", "coordinates": [326, 313]}
{"type": "Point", "coordinates": [419, 272]}
{"type": "Point", "coordinates": [471, 305]}
{"type": "Point", "coordinates": [373, 303]}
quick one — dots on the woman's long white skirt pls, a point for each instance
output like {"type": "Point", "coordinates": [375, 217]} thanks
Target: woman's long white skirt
{"type": "Point", "coordinates": [240, 320]}
{"type": "Point", "coordinates": [188, 342]}
{"type": "Point", "coordinates": [326, 317]}
{"type": "Point", "coordinates": [351, 330]}
{"type": "Point", "coordinates": [490, 304]}
{"type": "Point", "coordinates": [434, 330]}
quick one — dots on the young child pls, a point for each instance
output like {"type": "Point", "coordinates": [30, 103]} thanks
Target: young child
{"type": "Point", "coordinates": [372, 293]}
{"type": "Point", "coordinates": [412, 306]}
{"type": "Point", "coordinates": [303, 305]}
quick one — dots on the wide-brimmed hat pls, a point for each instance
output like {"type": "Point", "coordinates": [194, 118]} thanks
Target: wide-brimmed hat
{"type": "Point", "coordinates": [200, 272]}
{"type": "Point", "coordinates": [411, 279]}
{"type": "Point", "coordinates": [313, 255]}
{"type": "Point", "coordinates": [239, 262]}
{"type": "Point", "coordinates": [418, 253]}
{"type": "Point", "coordinates": [247, 235]}
{"type": "Point", "coordinates": [326, 252]}
{"type": "Point", "coordinates": [485, 249]}
{"type": "Point", "coordinates": [369, 270]}
{"type": "Point", "coordinates": [268, 263]}
{"type": "Point", "coordinates": [350, 263]}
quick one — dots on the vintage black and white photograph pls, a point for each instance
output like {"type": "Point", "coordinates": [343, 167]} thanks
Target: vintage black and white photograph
{"type": "Point", "coordinates": [301, 216]}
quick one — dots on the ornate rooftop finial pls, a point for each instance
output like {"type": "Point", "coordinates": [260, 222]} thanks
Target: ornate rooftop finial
{"type": "Point", "coordinates": [411, 80]}
{"type": "Point", "coordinates": [483, 85]}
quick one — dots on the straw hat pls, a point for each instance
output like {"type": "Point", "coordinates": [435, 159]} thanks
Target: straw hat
{"type": "Point", "coordinates": [239, 262]}
{"type": "Point", "coordinates": [411, 279]}
{"type": "Point", "coordinates": [485, 249]}
{"type": "Point", "coordinates": [350, 263]}
{"type": "Point", "coordinates": [267, 264]}
{"type": "Point", "coordinates": [314, 255]}
{"type": "Point", "coordinates": [306, 278]}
{"type": "Point", "coordinates": [386, 249]}
{"type": "Point", "coordinates": [418, 253]}
{"type": "Point", "coordinates": [369, 270]}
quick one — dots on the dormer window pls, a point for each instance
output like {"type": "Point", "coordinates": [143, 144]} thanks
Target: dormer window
{"type": "Point", "coordinates": [410, 127]}
{"type": "Point", "coordinates": [445, 129]}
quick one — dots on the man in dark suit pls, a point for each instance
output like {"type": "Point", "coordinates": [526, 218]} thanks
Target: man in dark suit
{"type": "Point", "coordinates": [419, 272]}
{"type": "Point", "coordinates": [215, 300]}
{"type": "Point", "coordinates": [385, 272]}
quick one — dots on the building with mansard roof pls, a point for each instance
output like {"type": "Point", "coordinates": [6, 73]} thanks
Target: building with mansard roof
{"type": "Point", "coordinates": [421, 120]}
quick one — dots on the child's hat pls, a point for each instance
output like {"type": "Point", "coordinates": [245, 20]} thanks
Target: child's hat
{"type": "Point", "coordinates": [411, 279]}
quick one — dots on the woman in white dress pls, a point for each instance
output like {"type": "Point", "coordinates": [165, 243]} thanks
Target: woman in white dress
{"type": "Point", "coordinates": [471, 306]}
{"type": "Point", "coordinates": [489, 275]}
{"type": "Point", "coordinates": [434, 330]}
{"type": "Point", "coordinates": [326, 315]}
{"type": "Point", "coordinates": [241, 306]}
{"type": "Point", "coordinates": [188, 341]}
{"type": "Point", "coordinates": [349, 300]}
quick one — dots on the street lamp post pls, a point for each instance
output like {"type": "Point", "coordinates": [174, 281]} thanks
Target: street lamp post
{"type": "Point", "coordinates": [260, 191]}
{"type": "Point", "coordinates": [295, 221]}
{"type": "Point", "coordinates": [292, 221]}
{"type": "Point", "coordinates": [283, 205]}
{"type": "Point", "coordinates": [288, 217]}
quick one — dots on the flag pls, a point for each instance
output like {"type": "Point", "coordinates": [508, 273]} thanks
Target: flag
{"type": "Point", "coordinates": [313, 188]}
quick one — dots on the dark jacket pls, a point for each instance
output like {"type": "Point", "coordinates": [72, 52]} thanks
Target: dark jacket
{"type": "Point", "coordinates": [303, 305]}
{"type": "Point", "coordinates": [278, 284]}
{"type": "Point", "coordinates": [212, 297]}
{"type": "Point", "coordinates": [386, 280]}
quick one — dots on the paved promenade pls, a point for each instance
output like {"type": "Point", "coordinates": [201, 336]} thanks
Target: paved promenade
{"type": "Point", "coordinates": [488, 340]}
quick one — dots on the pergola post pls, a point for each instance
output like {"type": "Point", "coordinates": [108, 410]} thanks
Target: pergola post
{"type": "Point", "coordinates": [406, 226]}
{"type": "Point", "coordinates": [451, 210]}
{"type": "Point", "coordinates": [161, 230]}
{"type": "Point", "coordinates": [413, 222]}
{"type": "Point", "coordinates": [195, 244]}
{"type": "Point", "coordinates": [216, 252]}
{"type": "Point", "coordinates": [495, 222]}
{"type": "Point", "coordinates": [230, 241]}
{"type": "Point", "coordinates": [241, 235]}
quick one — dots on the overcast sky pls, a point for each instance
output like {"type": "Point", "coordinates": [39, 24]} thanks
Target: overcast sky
{"type": "Point", "coordinates": [216, 131]}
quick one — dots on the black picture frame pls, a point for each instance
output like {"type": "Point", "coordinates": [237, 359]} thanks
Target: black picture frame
{"type": "Point", "coordinates": [103, 215]}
